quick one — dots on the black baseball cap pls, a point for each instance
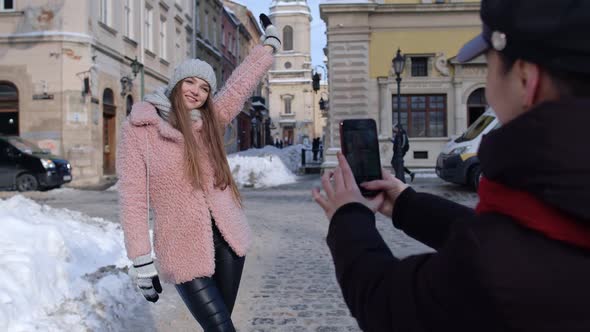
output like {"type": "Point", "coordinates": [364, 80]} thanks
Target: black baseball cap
{"type": "Point", "coordinates": [551, 33]}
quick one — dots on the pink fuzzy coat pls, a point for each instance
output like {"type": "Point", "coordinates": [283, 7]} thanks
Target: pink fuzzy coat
{"type": "Point", "coordinates": [183, 237]}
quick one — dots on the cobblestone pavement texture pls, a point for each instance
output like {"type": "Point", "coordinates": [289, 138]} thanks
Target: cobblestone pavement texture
{"type": "Point", "coordinates": [288, 282]}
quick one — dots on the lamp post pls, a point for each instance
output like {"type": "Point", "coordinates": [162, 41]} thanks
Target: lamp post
{"type": "Point", "coordinates": [254, 131]}
{"type": "Point", "coordinates": [316, 77]}
{"type": "Point", "coordinates": [398, 160]}
{"type": "Point", "coordinates": [137, 67]}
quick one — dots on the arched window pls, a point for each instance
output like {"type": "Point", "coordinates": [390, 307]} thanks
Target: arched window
{"type": "Point", "coordinates": [288, 38]}
{"type": "Point", "coordinates": [477, 98]}
{"type": "Point", "coordinates": [108, 101]}
{"type": "Point", "coordinates": [288, 101]}
{"type": "Point", "coordinates": [476, 105]}
{"type": "Point", "coordinates": [8, 109]}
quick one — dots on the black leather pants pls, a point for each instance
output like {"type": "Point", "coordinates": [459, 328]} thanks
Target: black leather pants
{"type": "Point", "coordinates": [211, 300]}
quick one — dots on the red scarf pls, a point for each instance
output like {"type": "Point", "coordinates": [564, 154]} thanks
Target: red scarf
{"type": "Point", "coordinates": [531, 213]}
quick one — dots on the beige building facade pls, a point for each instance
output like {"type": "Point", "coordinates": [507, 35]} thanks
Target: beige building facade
{"type": "Point", "coordinates": [208, 35]}
{"type": "Point", "coordinates": [66, 65]}
{"type": "Point", "coordinates": [439, 97]}
{"type": "Point", "coordinates": [293, 103]}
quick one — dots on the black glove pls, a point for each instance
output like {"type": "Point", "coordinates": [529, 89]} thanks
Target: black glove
{"type": "Point", "coordinates": [271, 35]}
{"type": "Point", "coordinates": [146, 278]}
{"type": "Point", "coordinates": [265, 21]}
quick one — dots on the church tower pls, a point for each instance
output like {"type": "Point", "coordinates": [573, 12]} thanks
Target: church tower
{"type": "Point", "coordinates": [291, 96]}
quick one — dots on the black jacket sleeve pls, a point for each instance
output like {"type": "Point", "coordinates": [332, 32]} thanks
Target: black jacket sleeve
{"type": "Point", "coordinates": [436, 292]}
{"type": "Point", "coordinates": [427, 218]}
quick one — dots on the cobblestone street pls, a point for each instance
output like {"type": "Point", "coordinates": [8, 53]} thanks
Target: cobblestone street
{"type": "Point", "coordinates": [288, 282]}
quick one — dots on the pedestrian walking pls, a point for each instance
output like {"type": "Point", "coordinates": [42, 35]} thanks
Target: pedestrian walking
{"type": "Point", "coordinates": [171, 159]}
{"type": "Point", "coordinates": [315, 148]}
{"type": "Point", "coordinates": [521, 260]}
{"type": "Point", "coordinates": [401, 137]}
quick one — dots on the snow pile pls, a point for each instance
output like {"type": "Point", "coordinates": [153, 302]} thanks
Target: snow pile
{"type": "Point", "coordinates": [266, 167]}
{"type": "Point", "coordinates": [290, 156]}
{"type": "Point", "coordinates": [114, 187]}
{"type": "Point", "coordinates": [62, 271]}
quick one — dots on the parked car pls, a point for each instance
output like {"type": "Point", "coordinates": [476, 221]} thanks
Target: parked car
{"type": "Point", "coordinates": [26, 167]}
{"type": "Point", "coordinates": [458, 162]}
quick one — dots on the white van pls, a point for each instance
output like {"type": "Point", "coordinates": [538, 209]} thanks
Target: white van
{"type": "Point", "coordinates": [458, 162]}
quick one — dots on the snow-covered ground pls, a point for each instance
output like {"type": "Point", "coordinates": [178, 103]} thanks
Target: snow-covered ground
{"type": "Point", "coordinates": [61, 270]}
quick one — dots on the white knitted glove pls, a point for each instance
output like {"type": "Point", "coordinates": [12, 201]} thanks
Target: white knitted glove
{"type": "Point", "coordinates": [146, 277]}
{"type": "Point", "coordinates": [271, 34]}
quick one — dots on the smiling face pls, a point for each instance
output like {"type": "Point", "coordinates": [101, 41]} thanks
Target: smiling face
{"type": "Point", "coordinates": [195, 92]}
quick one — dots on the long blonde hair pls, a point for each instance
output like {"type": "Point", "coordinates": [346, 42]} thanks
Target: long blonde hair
{"type": "Point", "coordinates": [212, 137]}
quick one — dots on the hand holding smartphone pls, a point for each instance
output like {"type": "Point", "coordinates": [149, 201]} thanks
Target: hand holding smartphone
{"type": "Point", "coordinates": [360, 146]}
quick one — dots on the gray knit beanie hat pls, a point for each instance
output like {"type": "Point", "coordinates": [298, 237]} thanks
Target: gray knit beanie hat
{"type": "Point", "coordinates": [192, 68]}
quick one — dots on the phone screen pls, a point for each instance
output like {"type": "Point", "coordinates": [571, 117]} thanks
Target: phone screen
{"type": "Point", "coordinates": [361, 149]}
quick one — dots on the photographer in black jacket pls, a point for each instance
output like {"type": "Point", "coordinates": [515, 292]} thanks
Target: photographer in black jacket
{"type": "Point", "coordinates": [521, 260]}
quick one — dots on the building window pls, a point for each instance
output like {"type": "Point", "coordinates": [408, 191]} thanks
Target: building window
{"type": "Point", "coordinates": [163, 38]}
{"type": "Point", "coordinates": [476, 105]}
{"type": "Point", "coordinates": [287, 65]}
{"type": "Point", "coordinates": [9, 109]}
{"type": "Point", "coordinates": [214, 31]}
{"type": "Point", "coordinates": [177, 46]}
{"type": "Point", "coordinates": [104, 14]}
{"type": "Point", "coordinates": [6, 5]}
{"type": "Point", "coordinates": [423, 115]}
{"type": "Point", "coordinates": [223, 36]}
{"type": "Point", "coordinates": [205, 28]}
{"type": "Point", "coordinates": [419, 66]}
{"type": "Point", "coordinates": [288, 100]}
{"type": "Point", "coordinates": [287, 38]}
{"type": "Point", "coordinates": [189, 45]}
{"type": "Point", "coordinates": [149, 29]}
{"type": "Point", "coordinates": [128, 25]}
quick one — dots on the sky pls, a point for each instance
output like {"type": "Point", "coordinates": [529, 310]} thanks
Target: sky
{"type": "Point", "coordinates": [318, 28]}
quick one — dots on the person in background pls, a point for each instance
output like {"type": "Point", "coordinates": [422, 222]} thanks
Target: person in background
{"type": "Point", "coordinates": [315, 148]}
{"type": "Point", "coordinates": [171, 158]}
{"type": "Point", "coordinates": [521, 260]}
{"type": "Point", "coordinates": [401, 137]}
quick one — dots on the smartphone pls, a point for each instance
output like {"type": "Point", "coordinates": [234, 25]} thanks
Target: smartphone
{"type": "Point", "coordinates": [360, 146]}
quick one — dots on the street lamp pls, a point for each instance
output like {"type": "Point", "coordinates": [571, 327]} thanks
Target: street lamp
{"type": "Point", "coordinates": [254, 131]}
{"type": "Point", "coordinates": [137, 67]}
{"type": "Point", "coordinates": [316, 78]}
{"type": "Point", "coordinates": [398, 64]}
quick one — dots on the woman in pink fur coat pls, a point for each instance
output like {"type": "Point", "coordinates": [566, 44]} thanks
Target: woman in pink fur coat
{"type": "Point", "coordinates": [171, 159]}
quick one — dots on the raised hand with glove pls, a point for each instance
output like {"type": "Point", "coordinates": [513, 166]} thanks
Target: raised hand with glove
{"type": "Point", "coordinates": [146, 277]}
{"type": "Point", "coordinates": [271, 34]}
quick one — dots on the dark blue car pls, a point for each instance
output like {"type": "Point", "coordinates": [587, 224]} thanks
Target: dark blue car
{"type": "Point", "coordinates": [26, 167]}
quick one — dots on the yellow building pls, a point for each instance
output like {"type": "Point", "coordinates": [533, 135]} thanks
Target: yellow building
{"type": "Point", "coordinates": [439, 97]}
